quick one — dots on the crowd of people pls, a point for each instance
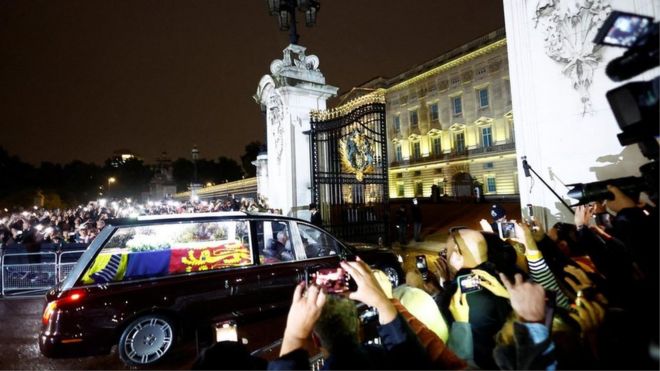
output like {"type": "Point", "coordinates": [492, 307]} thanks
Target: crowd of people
{"type": "Point", "coordinates": [582, 295]}
{"type": "Point", "coordinates": [32, 228]}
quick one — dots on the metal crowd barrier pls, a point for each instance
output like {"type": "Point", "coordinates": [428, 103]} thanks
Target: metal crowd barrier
{"type": "Point", "coordinates": [65, 263]}
{"type": "Point", "coordinates": [29, 274]}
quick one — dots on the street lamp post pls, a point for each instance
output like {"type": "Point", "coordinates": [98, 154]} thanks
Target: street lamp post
{"type": "Point", "coordinates": [285, 11]}
{"type": "Point", "coordinates": [193, 187]}
{"type": "Point", "coordinates": [111, 180]}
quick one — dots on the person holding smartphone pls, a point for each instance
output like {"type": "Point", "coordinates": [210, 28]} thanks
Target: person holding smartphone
{"type": "Point", "coordinates": [489, 308]}
{"type": "Point", "coordinates": [334, 323]}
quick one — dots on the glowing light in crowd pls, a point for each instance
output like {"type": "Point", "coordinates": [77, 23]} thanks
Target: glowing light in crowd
{"type": "Point", "coordinates": [103, 202]}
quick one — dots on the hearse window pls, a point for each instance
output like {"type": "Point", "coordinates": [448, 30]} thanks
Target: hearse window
{"type": "Point", "coordinates": [317, 243]}
{"type": "Point", "coordinates": [274, 239]}
{"type": "Point", "coordinates": [169, 249]}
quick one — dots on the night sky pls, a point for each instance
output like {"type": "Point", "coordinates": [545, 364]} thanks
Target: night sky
{"type": "Point", "coordinates": [80, 79]}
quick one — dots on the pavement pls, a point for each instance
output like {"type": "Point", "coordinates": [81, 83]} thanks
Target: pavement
{"type": "Point", "coordinates": [20, 323]}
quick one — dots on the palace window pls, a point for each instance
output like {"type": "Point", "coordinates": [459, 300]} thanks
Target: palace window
{"type": "Point", "coordinates": [399, 189]}
{"type": "Point", "coordinates": [459, 142]}
{"type": "Point", "coordinates": [457, 106]}
{"type": "Point", "coordinates": [416, 150]}
{"type": "Point", "coordinates": [437, 146]}
{"type": "Point", "coordinates": [419, 189]}
{"type": "Point", "coordinates": [486, 137]}
{"type": "Point", "coordinates": [433, 112]}
{"type": "Point", "coordinates": [399, 155]}
{"type": "Point", "coordinates": [490, 184]}
{"type": "Point", "coordinates": [414, 120]}
{"type": "Point", "coordinates": [397, 124]}
{"type": "Point", "coordinates": [482, 96]}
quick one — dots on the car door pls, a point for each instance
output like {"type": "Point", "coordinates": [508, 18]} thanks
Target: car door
{"type": "Point", "coordinates": [313, 249]}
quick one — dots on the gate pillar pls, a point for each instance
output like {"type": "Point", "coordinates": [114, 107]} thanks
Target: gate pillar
{"type": "Point", "coordinates": [294, 87]}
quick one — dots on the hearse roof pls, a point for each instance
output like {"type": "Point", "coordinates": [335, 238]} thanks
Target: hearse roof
{"type": "Point", "coordinates": [148, 219]}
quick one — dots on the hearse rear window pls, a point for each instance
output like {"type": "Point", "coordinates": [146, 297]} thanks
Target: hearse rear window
{"type": "Point", "coordinates": [169, 249]}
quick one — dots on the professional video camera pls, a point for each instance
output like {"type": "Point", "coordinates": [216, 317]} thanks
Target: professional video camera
{"type": "Point", "coordinates": [635, 104]}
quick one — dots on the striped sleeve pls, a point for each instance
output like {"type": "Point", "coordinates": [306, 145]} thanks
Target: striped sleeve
{"type": "Point", "coordinates": [541, 274]}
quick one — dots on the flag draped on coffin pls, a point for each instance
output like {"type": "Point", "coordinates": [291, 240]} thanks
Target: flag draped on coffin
{"type": "Point", "coordinates": [143, 264]}
{"type": "Point", "coordinates": [106, 267]}
{"type": "Point", "coordinates": [201, 256]}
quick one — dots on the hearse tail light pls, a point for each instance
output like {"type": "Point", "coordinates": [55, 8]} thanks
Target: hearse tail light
{"type": "Point", "coordinates": [72, 297]}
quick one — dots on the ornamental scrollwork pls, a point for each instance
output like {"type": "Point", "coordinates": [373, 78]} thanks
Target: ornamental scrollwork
{"type": "Point", "coordinates": [569, 27]}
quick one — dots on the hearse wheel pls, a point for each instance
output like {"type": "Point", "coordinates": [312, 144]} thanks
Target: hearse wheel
{"type": "Point", "coordinates": [146, 340]}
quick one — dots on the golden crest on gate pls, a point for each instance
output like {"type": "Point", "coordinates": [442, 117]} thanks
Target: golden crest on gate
{"type": "Point", "coordinates": [357, 154]}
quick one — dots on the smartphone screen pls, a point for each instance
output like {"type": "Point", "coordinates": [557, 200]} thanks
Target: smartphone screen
{"type": "Point", "coordinates": [422, 266]}
{"type": "Point", "coordinates": [469, 283]}
{"type": "Point", "coordinates": [333, 280]}
{"type": "Point", "coordinates": [506, 230]}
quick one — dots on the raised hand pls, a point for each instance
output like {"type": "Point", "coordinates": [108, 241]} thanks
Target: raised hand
{"type": "Point", "coordinates": [491, 284]}
{"type": "Point", "coordinates": [524, 235]}
{"type": "Point", "coordinates": [305, 310]}
{"type": "Point", "coordinates": [485, 226]}
{"type": "Point", "coordinates": [583, 215]}
{"type": "Point", "coordinates": [527, 299]}
{"type": "Point", "coordinates": [459, 307]}
{"type": "Point", "coordinates": [368, 290]}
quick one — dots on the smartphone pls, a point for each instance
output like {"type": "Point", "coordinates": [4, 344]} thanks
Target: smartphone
{"type": "Point", "coordinates": [422, 266]}
{"type": "Point", "coordinates": [469, 283]}
{"type": "Point", "coordinates": [333, 280]}
{"type": "Point", "coordinates": [506, 230]}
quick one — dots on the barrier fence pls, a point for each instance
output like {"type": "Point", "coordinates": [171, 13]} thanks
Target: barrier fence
{"type": "Point", "coordinates": [32, 273]}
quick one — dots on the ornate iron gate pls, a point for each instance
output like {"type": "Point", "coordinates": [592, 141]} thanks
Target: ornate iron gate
{"type": "Point", "coordinates": [349, 168]}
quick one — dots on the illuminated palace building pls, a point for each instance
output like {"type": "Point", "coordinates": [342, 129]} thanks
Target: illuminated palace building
{"type": "Point", "coordinates": [449, 123]}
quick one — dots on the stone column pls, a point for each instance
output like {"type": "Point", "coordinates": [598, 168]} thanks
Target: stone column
{"type": "Point", "coordinates": [294, 88]}
{"type": "Point", "coordinates": [564, 124]}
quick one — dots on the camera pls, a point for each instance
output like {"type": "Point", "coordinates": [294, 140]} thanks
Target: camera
{"type": "Point", "coordinates": [506, 230]}
{"type": "Point", "coordinates": [634, 105]}
{"type": "Point", "coordinates": [469, 283]}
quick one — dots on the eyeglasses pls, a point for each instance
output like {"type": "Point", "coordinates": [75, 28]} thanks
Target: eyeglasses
{"type": "Point", "coordinates": [452, 233]}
